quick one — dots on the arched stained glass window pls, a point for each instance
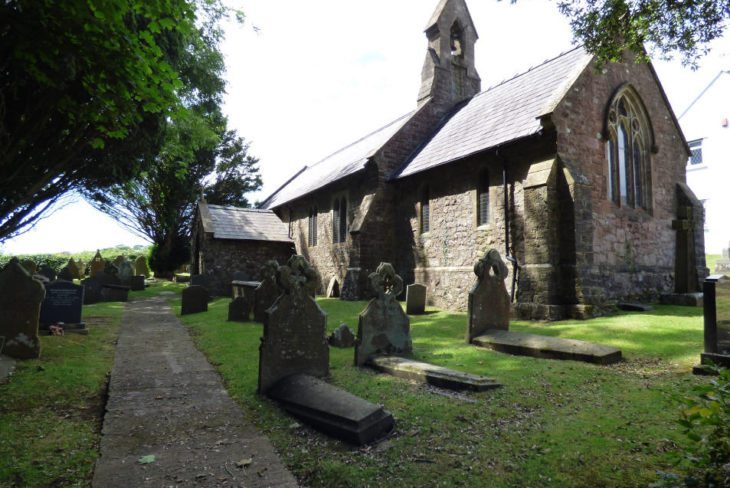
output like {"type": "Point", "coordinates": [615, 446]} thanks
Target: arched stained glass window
{"type": "Point", "coordinates": [629, 169]}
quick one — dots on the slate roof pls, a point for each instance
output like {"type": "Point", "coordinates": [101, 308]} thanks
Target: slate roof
{"type": "Point", "coordinates": [501, 114]}
{"type": "Point", "coordinates": [243, 223]}
{"type": "Point", "coordinates": [347, 161]}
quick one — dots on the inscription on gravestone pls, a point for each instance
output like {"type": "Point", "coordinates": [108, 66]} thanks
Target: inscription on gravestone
{"type": "Point", "coordinates": [383, 328]}
{"type": "Point", "coordinates": [63, 303]}
{"type": "Point", "coordinates": [489, 302]}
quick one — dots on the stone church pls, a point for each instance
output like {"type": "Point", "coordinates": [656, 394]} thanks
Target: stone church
{"type": "Point", "coordinates": [575, 173]}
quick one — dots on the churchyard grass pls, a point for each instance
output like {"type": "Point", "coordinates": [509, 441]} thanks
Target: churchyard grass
{"type": "Point", "coordinates": [52, 407]}
{"type": "Point", "coordinates": [554, 423]}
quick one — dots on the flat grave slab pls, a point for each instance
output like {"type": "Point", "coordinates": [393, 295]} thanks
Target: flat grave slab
{"type": "Point", "coordinates": [635, 307]}
{"type": "Point", "coordinates": [332, 410]}
{"type": "Point", "coordinates": [432, 374]}
{"type": "Point", "coordinates": [547, 347]}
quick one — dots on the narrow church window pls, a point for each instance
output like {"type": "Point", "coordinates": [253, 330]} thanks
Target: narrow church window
{"type": "Point", "coordinates": [628, 171]}
{"type": "Point", "coordinates": [343, 220]}
{"type": "Point", "coordinates": [425, 212]}
{"type": "Point", "coordinates": [483, 199]}
{"type": "Point", "coordinates": [696, 152]}
{"type": "Point", "coordinates": [339, 220]}
{"type": "Point", "coordinates": [312, 240]}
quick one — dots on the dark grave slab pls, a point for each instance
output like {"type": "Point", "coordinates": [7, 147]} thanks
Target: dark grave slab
{"type": "Point", "coordinates": [63, 303]}
{"type": "Point", "coordinates": [136, 283]}
{"type": "Point", "coordinates": [546, 347]}
{"type": "Point", "coordinates": [92, 290]}
{"type": "Point", "coordinates": [431, 374]}
{"type": "Point", "coordinates": [238, 310]}
{"type": "Point", "coordinates": [383, 328]}
{"type": "Point", "coordinates": [635, 307]}
{"type": "Point", "coordinates": [194, 300]}
{"type": "Point", "coordinates": [267, 292]}
{"type": "Point", "coordinates": [331, 409]}
{"type": "Point", "coordinates": [114, 293]}
{"type": "Point", "coordinates": [489, 302]}
{"type": "Point", "coordinates": [342, 336]}
{"type": "Point", "coordinates": [682, 299]}
{"type": "Point", "coordinates": [416, 299]}
{"type": "Point", "coordinates": [20, 306]}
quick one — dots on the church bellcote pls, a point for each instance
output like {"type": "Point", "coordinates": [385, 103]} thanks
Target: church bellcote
{"type": "Point", "coordinates": [449, 75]}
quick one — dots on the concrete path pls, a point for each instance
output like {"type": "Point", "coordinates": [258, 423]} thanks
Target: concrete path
{"type": "Point", "coordinates": [166, 401]}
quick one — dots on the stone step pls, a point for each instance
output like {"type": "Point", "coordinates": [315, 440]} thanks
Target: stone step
{"type": "Point", "coordinates": [431, 374]}
{"type": "Point", "coordinates": [546, 347]}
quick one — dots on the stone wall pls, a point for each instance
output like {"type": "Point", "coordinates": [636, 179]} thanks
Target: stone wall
{"type": "Point", "coordinates": [621, 252]}
{"type": "Point", "coordinates": [221, 258]}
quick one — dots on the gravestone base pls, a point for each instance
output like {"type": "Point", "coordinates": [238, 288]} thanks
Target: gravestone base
{"type": "Point", "coordinates": [683, 299]}
{"type": "Point", "coordinates": [332, 410]}
{"type": "Point", "coordinates": [114, 293]}
{"type": "Point", "coordinates": [431, 374]}
{"type": "Point", "coordinates": [238, 310]}
{"type": "Point", "coordinates": [546, 347]}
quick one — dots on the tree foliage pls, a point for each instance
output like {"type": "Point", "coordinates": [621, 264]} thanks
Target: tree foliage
{"type": "Point", "coordinates": [685, 27]}
{"type": "Point", "coordinates": [85, 87]}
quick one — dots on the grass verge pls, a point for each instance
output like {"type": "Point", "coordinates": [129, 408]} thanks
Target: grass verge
{"type": "Point", "coordinates": [555, 423]}
{"type": "Point", "coordinates": [52, 407]}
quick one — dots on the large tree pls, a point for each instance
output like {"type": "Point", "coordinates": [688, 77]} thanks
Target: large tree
{"type": "Point", "coordinates": [86, 87]}
{"type": "Point", "coordinates": [667, 27]}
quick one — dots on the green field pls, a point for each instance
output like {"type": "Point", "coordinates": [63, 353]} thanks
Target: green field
{"type": "Point", "coordinates": [555, 423]}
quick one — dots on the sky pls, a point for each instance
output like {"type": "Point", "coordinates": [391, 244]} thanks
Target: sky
{"type": "Point", "coordinates": [306, 78]}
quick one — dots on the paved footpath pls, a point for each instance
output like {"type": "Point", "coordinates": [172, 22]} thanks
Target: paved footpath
{"type": "Point", "coordinates": [167, 401]}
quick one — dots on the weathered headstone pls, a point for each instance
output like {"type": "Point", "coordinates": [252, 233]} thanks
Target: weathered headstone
{"type": "Point", "coordinates": [342, 336]}
{"type": "Point", "coordinates": [97, 265]}
{"type": "Point", "coordinates": [20, 305]}
{"type": "Point", "coordinates": [119, 260]}
{"type": "Point", "coordinates": [383, 328]}
{"type": "Point", "coordinates": [30, 266]}
{"type": "Point", "coordinates": [239, 310]}
{"type": "Point", "coordinates": [136, 283]}
{"type": "Point", "coordinates": [194, 300]}
{"type": "Point", "coordinates": [92, 290]}
{"type": "Point", "coordinates": [333, 288]}
{"type": "Point", "coordinates": [267, 292]}
{"type": "Point", "coordinates": [125, 271]}
{"type": "Point", "coordinates": [73, 268]}
{"type": "Point", "coordinates": [48, 272]}
{"type": "Point", "coordinates": [489, 302]}
{"type": "Point", "coordinates": [66, 274]}
{"type": "Point", "coordinates": [63, 303]}
{"type": "Point", "coordinates": [141, 268]}
{"type": "Point", "coordinates": [416, 299]}
{"type": "Point", "coordinates": [294, 338]}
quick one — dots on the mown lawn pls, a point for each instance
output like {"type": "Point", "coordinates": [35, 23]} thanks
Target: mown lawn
{"type": "Point", "coordinates": [554, 423]}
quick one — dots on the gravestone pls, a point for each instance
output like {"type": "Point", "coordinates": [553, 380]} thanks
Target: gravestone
{"type": "Point", "coordinates": [30, 266]}
{"type": "Point", "coordinates": [333, 288]}
{"type": "Point", "coordinates": [294, 338]}
{"type": "Point", "coordinates": [114, 293]}
{"type": "Point", "coordinates": [125, 271]}
{"type": "Point", "coordinates": [716, 290]}
{"type": "Point", "coordinates": [489, 302]}
{"type": "Point", "coordinates": [383, 328]}
{"type": "Point", "coordinates": [119, 260]}
{"type": "Point", "coordinates": [267, 292]}
{"type": "Point", "coordinates": [66, 274]}
{"type": "Point", "coordinates": [722, 266]}
{"type": "Point", "coordinates": [194, 300]}
{"type": "Point", "coordinates": [48, 272]}
{"type": "Point", "coordinates": [73, 268]}
{"type": "Point", "coordinates": [20, 306]}
{"type": "Point", "coordinates": [97, 265]}
{"type": "Point", "coordinates": [342, 336]}
{"type": "Point", "coordinates": [136, 283]}
{"type": "Point", "coordinates": [92, 290]}
{"type": "Point", "coordinates": [141, 268]}
{"type": "Point", "coordinates": [416, 299]}
{"type": "Point", "coordinates": [238, 310]}
{"type": "Point", "coordinates": [63, 303]}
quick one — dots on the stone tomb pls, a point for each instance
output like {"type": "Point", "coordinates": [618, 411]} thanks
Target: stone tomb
{"type": "Point", "coordinates": [383, 327]}
{"type": "Point", "coordinates": [383, 334]}
{"type": "Point", "coordinates": [62, 304]}
{"type": "Point", "coordinates": [416, 299]}
{"type": "Point", "coordinates": [489, 303]}
{"type": "Point", "coordinates": [20, 303]}
{"type": "Point", "coordinates": [267, 292]}
{"type": "Point", "coordinates": [114, 293]}
{"type": "Point", "coordinates": [136, 283]}
{"type": "Point", "coordinates": [294, 355]}
{"type": "Point", "coordinates": [238, 310]}
{"type": "Point", "coordinates": [194, 300]}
